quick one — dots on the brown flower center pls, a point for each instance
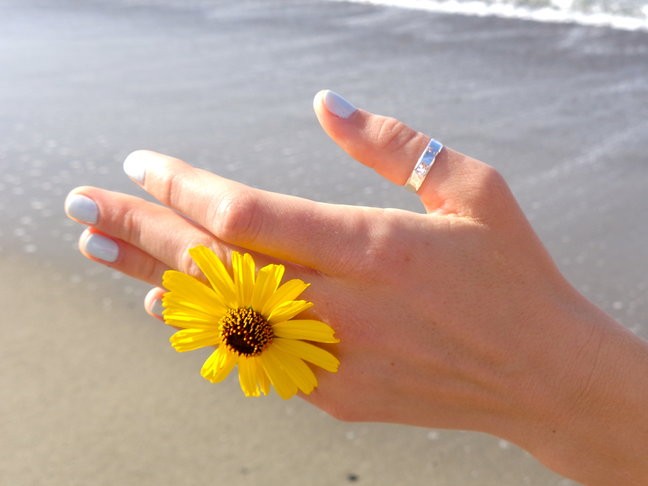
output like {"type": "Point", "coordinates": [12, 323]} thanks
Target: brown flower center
{"type": "Point", "coordinates": [245, 331]}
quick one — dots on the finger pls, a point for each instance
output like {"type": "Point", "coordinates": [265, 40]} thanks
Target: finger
{"type": "Point", "coordinates": [153, 302]}
{"type": "Point", "coordinates": [283, 227]}
{"type": "Point", "coordinates": [392, 149]}
{"type": "Point", "coordinates": [121, 256]}
{"type": "Point", "coordinates": [143, 239]}
{"type": "Point", "coordinates": [136, 237]}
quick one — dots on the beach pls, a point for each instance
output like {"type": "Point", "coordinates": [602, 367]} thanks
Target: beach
{"type": "Point", "coordinates": [92, 392]}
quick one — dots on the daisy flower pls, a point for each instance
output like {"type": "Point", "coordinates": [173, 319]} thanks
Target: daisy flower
{"type": "Point", "coordinates": [249, 317]}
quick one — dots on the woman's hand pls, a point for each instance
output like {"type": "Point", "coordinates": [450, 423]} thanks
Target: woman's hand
{"type": "Point", "coordinates": [457, 318]}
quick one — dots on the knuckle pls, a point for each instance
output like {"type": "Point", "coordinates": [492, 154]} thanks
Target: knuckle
{"type": "Point", "coordinates": [150, 271]}
{"type": "Point", "coordinates": [186, 264]}
{"type": "Point", "coordinates": [490, 196]}
{"type": "Point", "coordinates": [170, 188]}
{"type": "Point", "coordinates": [380, 249]}
{"type": "Point", "coordinates": [393, 135]}
{"type": "Point", "coordinates": [494, 186]}
{"type": "Point", "coordinates": [493, 178]}
{"type": "Point", "coordinates": [237, 217]}
{"type": "Point", "coordinates": [130, 222]}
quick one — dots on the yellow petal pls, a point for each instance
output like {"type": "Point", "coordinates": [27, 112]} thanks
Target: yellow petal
{"type": "Point", "coordinates": [249, 377]}
{"type": "Point", "coordinates": [271, 362]}
{"type": "Point", "coordinates": [174, 306]}
{"type": "Point", "coordinates": [181, 313]}
{"type": "Point", "coordinates": [218, 365]}
{"type": "Point", "coordinates": [307, 352]}
{"type": "Point", "coordinates": [190, 339]}
{"type": "Point", "coordinates": [288, 310]}
{"type": "Point", "coordinates": [243, 270]}
{"type": "Point", "coordinates": [262, 376]}
{"type": "Point", "coordinates": [307, 329]}
{"type": "Point", "coordinates": [288, 291]}
{"type": "Point", "coordinates": [216, 273]}
{"type": "Point", "coordinates": [187, 321]}
{"type": "Point", "coordinates": [267, 281]}
{"type": "Point", "coordinates": [190, 292]}
{"type": "Point", "coordinates": [299, 372]}
{"type": "Point", "coordinates": [245, 378]}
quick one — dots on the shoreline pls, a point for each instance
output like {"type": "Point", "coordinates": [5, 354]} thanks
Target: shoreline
{"type": "Point", "coordinates": [510, 11]}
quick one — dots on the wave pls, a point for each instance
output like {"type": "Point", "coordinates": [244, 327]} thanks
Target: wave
{"type": "Point", "coordinates": [618, 14]}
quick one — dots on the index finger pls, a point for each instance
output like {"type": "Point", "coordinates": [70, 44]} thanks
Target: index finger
{"type": "Point", "coordinates": [456, 183]}
{"type": "Point", "coordinates": [281, 226]}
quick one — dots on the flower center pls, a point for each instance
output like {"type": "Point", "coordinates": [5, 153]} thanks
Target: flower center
{"type": "Point", "coordinates": [245, 331]}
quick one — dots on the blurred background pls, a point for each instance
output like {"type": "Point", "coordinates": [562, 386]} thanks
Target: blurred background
{"type": "Point", "coordinates": [92, 393]}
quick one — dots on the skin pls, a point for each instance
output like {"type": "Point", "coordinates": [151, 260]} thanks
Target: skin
{"type": "Point", "coordinates": [457, 318]}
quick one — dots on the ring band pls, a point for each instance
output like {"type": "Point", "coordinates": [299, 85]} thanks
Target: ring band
{"type": "Point", "coordinates": [423, 165]}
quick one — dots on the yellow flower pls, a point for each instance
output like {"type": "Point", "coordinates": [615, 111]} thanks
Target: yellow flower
{"type": "Point", "coordinates": [250, 319]}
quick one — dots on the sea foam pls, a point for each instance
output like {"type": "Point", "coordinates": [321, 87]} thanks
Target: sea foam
{"type": "Point", "coordinates": [619, 14]}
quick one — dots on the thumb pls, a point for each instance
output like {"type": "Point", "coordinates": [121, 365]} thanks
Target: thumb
{"type": "Point", "coordinates": [391, 148]}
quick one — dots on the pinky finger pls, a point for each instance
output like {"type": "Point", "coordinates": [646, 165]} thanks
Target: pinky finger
{"type": "Point", "coordinates": [121, 256]}
{"type": "Point", "coordinates": [153, 302]}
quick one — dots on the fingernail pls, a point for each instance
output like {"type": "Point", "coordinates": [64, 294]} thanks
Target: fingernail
{"type": "Point", "coordinates": [135, 166]}
{"type": "Point", "coordinates": [81, 208]}
{"type": "Point", "coordinates": [337, 104]}
{"type": "Point", "coordinates": [157, 307]}
{"type": "Point", "coordinates": [101, 247]}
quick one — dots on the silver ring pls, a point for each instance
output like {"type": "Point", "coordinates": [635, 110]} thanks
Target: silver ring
{"type": "Point", "coordinates": [423, 165]}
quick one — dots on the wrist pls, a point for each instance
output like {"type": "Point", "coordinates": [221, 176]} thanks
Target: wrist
{"type": "Point", "coordinates": [585, 415]}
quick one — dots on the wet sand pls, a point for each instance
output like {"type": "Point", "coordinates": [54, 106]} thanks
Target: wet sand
{"type": "Point", "coordinates": [92, 392]}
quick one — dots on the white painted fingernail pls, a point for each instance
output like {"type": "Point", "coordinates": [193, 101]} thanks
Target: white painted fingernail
{"type": "Point", "coordinates": [81, 208]}
{"type": "Point", "coordinates": [101, 247]}
{"type": "Point", "coordinates": [135, 166]}
{"type": "Point", "coordinates": [337, 104]}
{"type": "Point", "coordinates": [157, 308]}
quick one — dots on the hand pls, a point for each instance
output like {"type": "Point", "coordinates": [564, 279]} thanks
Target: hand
{"type": "Point", "coordinates": [457, 318]}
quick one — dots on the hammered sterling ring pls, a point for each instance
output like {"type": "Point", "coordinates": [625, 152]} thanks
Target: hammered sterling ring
{"type": "Point", "coordinates": [423, 165]}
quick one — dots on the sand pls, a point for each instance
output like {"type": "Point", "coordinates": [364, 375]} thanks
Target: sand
{"type": "Point", "coordinates": [92, 392]}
